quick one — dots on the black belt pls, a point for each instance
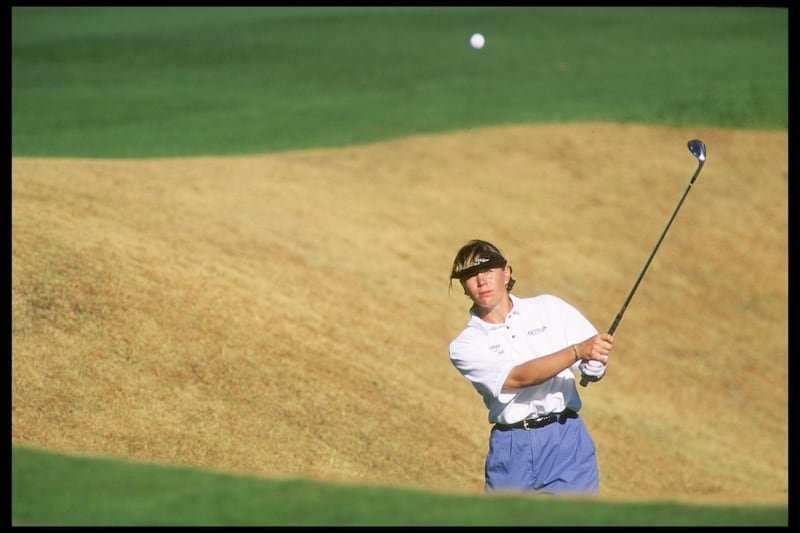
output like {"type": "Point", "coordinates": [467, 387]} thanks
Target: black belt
{"type": "Point", "coordinates": [532, 423]}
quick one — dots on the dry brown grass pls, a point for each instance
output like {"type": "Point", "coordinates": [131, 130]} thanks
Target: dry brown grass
{"type": "Point", "coordinates": [289, 315]}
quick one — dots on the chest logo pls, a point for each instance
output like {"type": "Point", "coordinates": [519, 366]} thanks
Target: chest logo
{"type": "Point", "coordinates": [537, 331]}
{"type": "Point", "coordinates": [497, 348]}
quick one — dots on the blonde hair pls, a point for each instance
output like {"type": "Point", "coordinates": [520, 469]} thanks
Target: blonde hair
{"type": "Point", "coordinates": [474, 256]}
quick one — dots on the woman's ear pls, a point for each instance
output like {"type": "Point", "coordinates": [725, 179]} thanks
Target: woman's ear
{"type": "Point", "coordinates": [509, 280]}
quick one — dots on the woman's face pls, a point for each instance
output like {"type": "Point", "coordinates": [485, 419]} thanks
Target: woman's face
{"type": "Point", "coordinates": [488, 287]}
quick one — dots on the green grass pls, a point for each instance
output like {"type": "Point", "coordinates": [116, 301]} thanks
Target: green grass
{"type": "Point", "coordinates": [137, 82]}
{"type": "Point", "coordinates": [56, 489]}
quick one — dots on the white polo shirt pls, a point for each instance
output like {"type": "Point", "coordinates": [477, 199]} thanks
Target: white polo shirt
{"type": "Point", "coordinates": [485, 353]}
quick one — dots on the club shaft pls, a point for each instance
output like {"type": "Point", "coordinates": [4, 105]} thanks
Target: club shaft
{"type": "Point", "coordinates": [622, 309]}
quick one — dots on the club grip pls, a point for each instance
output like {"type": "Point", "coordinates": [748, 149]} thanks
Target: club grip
{"type": "Point", "coordinates": [584, 381]}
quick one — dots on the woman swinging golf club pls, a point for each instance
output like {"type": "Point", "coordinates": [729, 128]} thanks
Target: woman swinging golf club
{"type": "Point", "coordinates": [521, 354]}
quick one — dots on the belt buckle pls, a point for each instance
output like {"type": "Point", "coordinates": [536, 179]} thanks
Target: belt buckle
{"type": "Point", "coordinates": [539, 421]}
{"type": "Point", "coordinates": [532, 421]}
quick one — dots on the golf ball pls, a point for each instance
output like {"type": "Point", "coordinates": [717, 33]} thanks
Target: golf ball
{"type": "Point", "coordinates": [477, 41]}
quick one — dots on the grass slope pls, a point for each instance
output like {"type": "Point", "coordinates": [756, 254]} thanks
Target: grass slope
{"type": "Point", "coordinates": [288, 314]}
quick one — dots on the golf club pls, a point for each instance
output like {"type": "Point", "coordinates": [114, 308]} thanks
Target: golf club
{"type": "Point", "coordinates": [698, 149]}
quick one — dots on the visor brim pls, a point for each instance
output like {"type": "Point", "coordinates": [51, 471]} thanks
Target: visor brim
{"type": "Point", "coordinates": [482, 264]}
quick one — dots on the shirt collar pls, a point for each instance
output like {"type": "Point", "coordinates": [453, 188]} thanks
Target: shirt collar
{"type": "Point", "coordinates": [485, 327]}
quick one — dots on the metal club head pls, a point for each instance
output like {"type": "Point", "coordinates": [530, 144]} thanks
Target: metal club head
{"type": "Point", "coordinates": [698, 149]}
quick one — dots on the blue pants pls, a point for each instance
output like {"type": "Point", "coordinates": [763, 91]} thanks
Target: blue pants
{"type": "Point", "coordinates": [557, 458]}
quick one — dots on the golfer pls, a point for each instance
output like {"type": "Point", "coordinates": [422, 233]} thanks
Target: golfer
{"type": "Point", "coordinates": [522, 356]}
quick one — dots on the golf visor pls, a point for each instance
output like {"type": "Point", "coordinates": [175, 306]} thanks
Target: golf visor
{"type": "Point", "coordinates": [483, 262]}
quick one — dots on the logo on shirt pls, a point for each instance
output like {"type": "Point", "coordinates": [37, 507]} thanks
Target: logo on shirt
{"type": "Point", "coordinates": [497, 348]}
{"type": "Point", "coordinates": [537, 331]}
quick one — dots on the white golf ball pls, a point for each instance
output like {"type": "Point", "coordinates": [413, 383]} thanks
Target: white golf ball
{"type": "Point", "coordinates": [477, 41]}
